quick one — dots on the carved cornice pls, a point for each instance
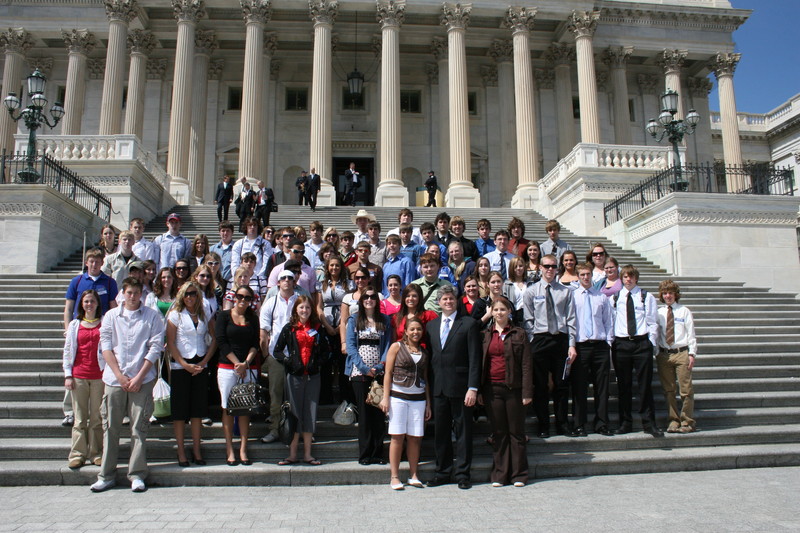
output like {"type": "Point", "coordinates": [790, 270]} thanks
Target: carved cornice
{"type": "Point", "coordinates": [215, 69]}
{"type": "Point", "coordinates": [678, 18]}
{"type": "Point", "coordinates": [47, 214]}
{"type": "Point", "coordinates": [121, 10]}
{"type": "Point", "coordinates": [205, 42]}
{"type": "Point", "coordinates": [724, 64]}
{"type": "Point", "coordinates": [270, 43]}
{"type": "Point", "coordinates": [109, 181]}
{"type": "Point", "coordinates": [44, 64]}
{"type": "Point", "coordinates": [520, 19]}
{"type": "Point", "coordinates": [156, 69]}
{"type": "Point", "coordinates": [439, 48]}
{"type": "Point", "coordinates": [188, 10]}
{"type": "Point", "coordinates": [355, 146]}
{"type": "Point", "coordinates": [545, 78]}
{"type": "Point", "coordinates": [274, 69]}
{"type": "Point", "coordinates": [323, 11]}
{"type": "Point", "coordinates": [432, 71]}
{"type": "Point", "coordinates": [141, 42]}
{"type": "Point", "coordinates": [671, 60]}
{"type": "Point", "coordinates": [18, 40]}
{"type": "Point", "coordinates": [560, 54]}
{"type": "Point", "coordinates": [79, 41]}
{"type": "Point", "coordinates": [617, 56]}
{"type": "Point", "coordinates": [583, 23]}
{"type": "Point", "coordinates": [391, 12]}
{"type": "Point", "coordinates": [501, 50]}
{"type": "Point", "coordinates": [648, 83]}
{"type": "Point", "coordinates": [489, 75]}
{"type": "Point", "coordinates": [258, 11]}
{"type": "Point", "coordinates": [96, 67]}
{"type": "Point", "coordinates": [455, 16]}
{"type": "Point", "coordinates": [697, 216]}
{"type": "Point", "coordinates": [699, 87]}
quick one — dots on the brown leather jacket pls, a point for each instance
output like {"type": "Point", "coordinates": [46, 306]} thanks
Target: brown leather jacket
{"type": "Point", "coordinates": [519, 363]}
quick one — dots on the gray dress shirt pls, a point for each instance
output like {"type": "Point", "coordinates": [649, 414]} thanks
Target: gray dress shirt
{"type": "Point", "coordinates": [535, 309]}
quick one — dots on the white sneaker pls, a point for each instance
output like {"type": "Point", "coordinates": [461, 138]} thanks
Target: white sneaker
{"type": "Point", "coordinates": [68, 421]}
{"type": "Point", "coordinates": [137, 485]}
{"type": "Point", "coordinates": [497, 484]}
{"type": "Point", "coordinates": [102, 486]}
{"type": "Point", "coordinates": [519, 484]}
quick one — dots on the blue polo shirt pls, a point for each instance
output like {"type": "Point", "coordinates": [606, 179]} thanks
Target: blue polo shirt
{"type": "Point", "coordinates": [105, 286]}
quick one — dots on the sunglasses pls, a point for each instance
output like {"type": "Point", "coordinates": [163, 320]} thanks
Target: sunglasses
{"type": "Point", "coordinates": [360, 278]}
{"type": "Point", "coordinates": [370, 297]}
{"type": "Point", "coordinates": [549, 266]}
{"type": "Point", "coordinates": [191, 293]}
{"type": "Point", "coordinates": [284, 278]}
{"type": "Point", "coordinates": [598, 253]}
{"type": "Point", "coordinates": [287, 236]}
{"type": "Point", "coordinates": [212, 263]}
{"type": "Point", "coordinates": [245, 297]}
{"type": "Point", "coordinates": [333, 235]}
{"type": "Point", "coordinates": [298, 251]}
{"type": "Point", "coordinates": [181, 268]}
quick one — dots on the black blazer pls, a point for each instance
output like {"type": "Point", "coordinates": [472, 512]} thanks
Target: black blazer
{"type": "Point", "coordinates": [248, 203]}
{"type": "Point", "coordinates": [314, 184]}
{"type": "Point", "coordinates": [456, 366]}
{"type": "Point", "coordinates": [224, 194]}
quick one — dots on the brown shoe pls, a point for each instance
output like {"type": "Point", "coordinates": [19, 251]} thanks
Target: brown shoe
{"type": "Point", "coordinates": [673, 428]}
{"type": "Point", "coordinates": [76, 462]}
{"type": "Point", "coordinates": [686, 429]}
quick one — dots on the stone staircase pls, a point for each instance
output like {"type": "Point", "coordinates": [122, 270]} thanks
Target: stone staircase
{"type": "Point", "coordinates": [747, 383]}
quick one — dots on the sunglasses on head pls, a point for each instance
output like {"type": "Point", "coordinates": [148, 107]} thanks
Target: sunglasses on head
{"type": "Point", "coordinates": [245, 297]}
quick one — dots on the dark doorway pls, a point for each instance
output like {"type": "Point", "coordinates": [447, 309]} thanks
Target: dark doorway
{"type": "Point", "coordinates": [365, 195]}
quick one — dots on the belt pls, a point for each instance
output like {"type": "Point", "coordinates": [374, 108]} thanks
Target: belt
{"type": "Point", "coordinates": [548, 334]}
{"type": "Point", "coordinates": [675, 350]}
{"type": "Point", "coordinates": [592, 341]}
{"type": "Point", "coordinates": [633, 338]}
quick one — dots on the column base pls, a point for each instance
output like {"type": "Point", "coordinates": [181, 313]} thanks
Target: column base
{"type": "Point", "coordinates": [391, 194]}
{"type": "Point", "coordinates": [180, 190]}
{"type": "Point", "coordinates": [326, 196]}
{"type": "Point", "coordinates": [462, 196]}
{"type": "Point", "coordinates": [525, 197]}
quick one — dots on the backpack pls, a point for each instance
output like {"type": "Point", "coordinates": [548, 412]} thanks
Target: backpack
{"type": "Point", "coordinates": [642, 292]}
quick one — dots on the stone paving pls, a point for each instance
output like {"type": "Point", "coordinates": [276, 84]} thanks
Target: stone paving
{"type": "Point", "coordinates": [727, 500]}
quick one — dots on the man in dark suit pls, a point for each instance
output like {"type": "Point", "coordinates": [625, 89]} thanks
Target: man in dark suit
{"type": "Point", "coordinates": [313, 187]}
{"type": "Point", "coordinates": [431, 186]}
{"type": "Point", "coordinates": [223, 198]}
{"type": "Point", "coordinates": [302, 185]}
{"type": "Point", "coordinates": [352, 181]}
{"type": "Point", "coordinates": [263, 205]}
{"type": "Point", "coordinates": [456, 365]}
{"type": "Point", "coordinates": [245, 203]}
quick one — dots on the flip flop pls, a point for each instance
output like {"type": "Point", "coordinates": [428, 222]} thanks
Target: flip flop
{"type": "Point", "coordinates": [313, 462]}
{"type": "Point", "coordinates": [287, 462]}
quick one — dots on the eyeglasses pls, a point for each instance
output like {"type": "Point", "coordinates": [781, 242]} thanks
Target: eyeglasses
{"type": "Point", "coordinates": [191, 293]}
{"type": "Point", "coordinates": [212, 263]}
{"type": "Point", "coordinates": [297, 251]}
{"type": "Point", "coordinates": [284, 278]}
{"type": "Point", "coordinates": [549, 266]}
{"type": "Point", "coordinates": [598, 253]}
{"type": "Point", "coordinates": [245, 297]}
{"type": "Point", "coordinates": [357, 278]}
{"type": "Point", "coordinates": [372, 296]}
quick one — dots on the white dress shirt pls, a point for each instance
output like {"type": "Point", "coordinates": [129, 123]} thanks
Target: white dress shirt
{"type": "Point", "coordinates": [133, 336]}
{"type": "Point", "coordinates": [145, 250]}
{"type": "Point", "coordinates": [259, 246]}
{"type": "Point", "coordinates": [275, 313]}
{"type": "Point", "coordinates": [684, 328]}
{"type": "Point", "coordinates": [646, 315]}
{"type": "Point", "coordinates": [602, 318]}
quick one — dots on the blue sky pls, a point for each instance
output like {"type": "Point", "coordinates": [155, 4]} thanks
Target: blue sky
{"type": "Point", "coordinates": [769, 71]}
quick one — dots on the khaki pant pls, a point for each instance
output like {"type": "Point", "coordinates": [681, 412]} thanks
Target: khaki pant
{"type": "Point", "coordinates": [671, 367]}
{"type": "Point", "coordinates": [87, 431]}
{"type": "Point", "coordinates": [277, 379]}
{"type": "Point", "coordinates": [138, 406]}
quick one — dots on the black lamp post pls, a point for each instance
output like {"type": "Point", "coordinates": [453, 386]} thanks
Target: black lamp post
{"type": "Point", "coordinates": [673, 129]}
{"type": "Point", "coordinates": [34, 116]}
{"type": "Point", "coordinates": [355, 80]}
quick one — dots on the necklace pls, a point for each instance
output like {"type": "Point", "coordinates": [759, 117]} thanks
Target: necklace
{"type": "Point", "coordinates": [91, 320]}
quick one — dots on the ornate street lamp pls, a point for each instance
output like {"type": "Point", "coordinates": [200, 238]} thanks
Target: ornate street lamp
{"type": "Point", "coordinates": [34, 116]}
{"type": "Point", "coordinates": [674, 130]}
{"type": "Point", "coordinates": [355, 80]}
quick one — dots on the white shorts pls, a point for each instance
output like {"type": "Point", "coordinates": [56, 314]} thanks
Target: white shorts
{"type": "Point", "coordinates": [406, 417]}
{"type": "Point", "coordinates": [226, 379]}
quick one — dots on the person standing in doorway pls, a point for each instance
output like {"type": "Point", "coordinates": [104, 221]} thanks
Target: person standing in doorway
{"type": "Point", "coordinates": [301, 184]}
{"type": "Point", "coordinates": [223, 198]}
{"type": "Point", "coordinates": [353, 181]}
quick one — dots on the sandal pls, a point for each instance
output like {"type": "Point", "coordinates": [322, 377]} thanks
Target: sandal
{"type": "Point", "coordinates": [396, 486]}
{"type": "Point", "coordinates": [287, 462]}
{"type": "Point", "coordinates": [313, 462]}
{"type": "Point", "coordinates": [414, 482]}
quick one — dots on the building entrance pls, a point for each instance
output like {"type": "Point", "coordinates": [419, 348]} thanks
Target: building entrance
{"type": "Point", "coordinates": [365, 195]}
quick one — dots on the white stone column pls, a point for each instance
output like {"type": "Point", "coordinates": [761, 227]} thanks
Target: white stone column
{"type": "Point", "coordinates": [672, 61]}
{"type": "Point", "coordinates": [544, 104]}
{"type": "Point", "coordinates": [141, 44]}
{"type": "Point", "coordinates": [213, 166]}
{"type": "Point", "coordinates": [154, 88]}
{"type": "Point", "coordinates": [561, 56]}
{"type": "Point", "coordinates": [701, 143]}
{"type": "Point", "coordinates": [323, 13]}
{"type": "Point", "coordinates": [120, 13]}
{"type": "Point", "coordinates": [391, 190]}
{"type": "Point", "coordinates": [205, 42]}
{"type": "Point", "coordinates": [439, 51]}
{"type": "Point", "coordinates": [79, 43]}
{"type": "Point", "coordinates": [583, 24]}
{"type": "Point", "coordinates": [256, 15]}
{"type": "Point", "coordinates": [723, 66]}
{"type": "Point", "coordinates": [270, 45]}
{"type": "Point", "coordinates": [520, 21]}
{"type": "Point", "coordinates": [461, 192]}
{"type": "Point", "coordinates": [648, 87]}
{"type": "Point", "coordinates": [15, 43]}
{"type": "Point", "coordinates": [616, 57]}
{"type": "Point", "coordinates": [187, 13]}
{"type": "Point", "coordinates": [502, 51]}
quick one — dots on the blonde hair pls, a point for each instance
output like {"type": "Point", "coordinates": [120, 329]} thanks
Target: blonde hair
{"type": "Point", "coordinates": [179, 306]}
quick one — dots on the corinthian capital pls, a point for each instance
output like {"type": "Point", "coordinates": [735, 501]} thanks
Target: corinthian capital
{"type": "Point", "coordinates": [501, 50]}
{"type": "Point", "coordinates": [439, 48]}
{"type": "Point", "coordinates": [560, 54]}
{"type": "Point", "coordinates": [323, 11]}
{"type": "Point", "coordinates": [256, 10]}
{"type": "Point", "coordinates": [724, 64]}
{"type": "Point", "coordinates": [391, 12]}
{"type": "Point", "coordinates": [545, 78]}
{"type": "Point", "coordinates": [455, 15]}
{"type": "Point", "coordinates": [700, 87]}
{"type": "Point", "coordinates": [79, 41]}
{"type": "Point", "coordinates": [617, 56]}
{"type": "Point", "coordinates": [17, 40]}
{"type": "Point", "coordinates": [671, 60]}
{"type": "Point", "coordinates": [42, 64]}
{"type": "Point", "coordinates": [188, 10]}
{"type": "Point", "coordinates": [141, 42]}
{"type": "Point", "coordinates": [156, 69]}
{"type": "Point", "coordinates": [648, 83]}
{"type": "Point", "coordinates": [489, 75]}
{"type": "Point", "coordinates": [583, 23]}
{"type": "Point", "coordinates": [97, 68]}
{"type": "Point", "coordinates": [205, 42]}
{"type": "Point", "coordinates": [520, 19]}
{"type": "Point", "coordinates": [270, 43]}
{"type": "Point", "coordinates": [121, 10]}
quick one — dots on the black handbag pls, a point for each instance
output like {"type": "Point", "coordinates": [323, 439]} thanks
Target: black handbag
{"type": "Point", "coordinates": [247, 399]}
{"type": "Point", "coordinates": [273, 207]}
{"type": "Point", "coordinates": [287, 426]}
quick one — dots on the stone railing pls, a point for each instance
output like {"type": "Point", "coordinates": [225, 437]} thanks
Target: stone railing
{"type": "Point", "coordinates": [608, 157]}
{"type": "Point", "coordinates": [97, 148]}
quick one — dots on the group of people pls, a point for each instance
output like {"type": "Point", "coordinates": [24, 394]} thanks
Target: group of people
{"type": "Point", "coordinates": [450, 327]}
